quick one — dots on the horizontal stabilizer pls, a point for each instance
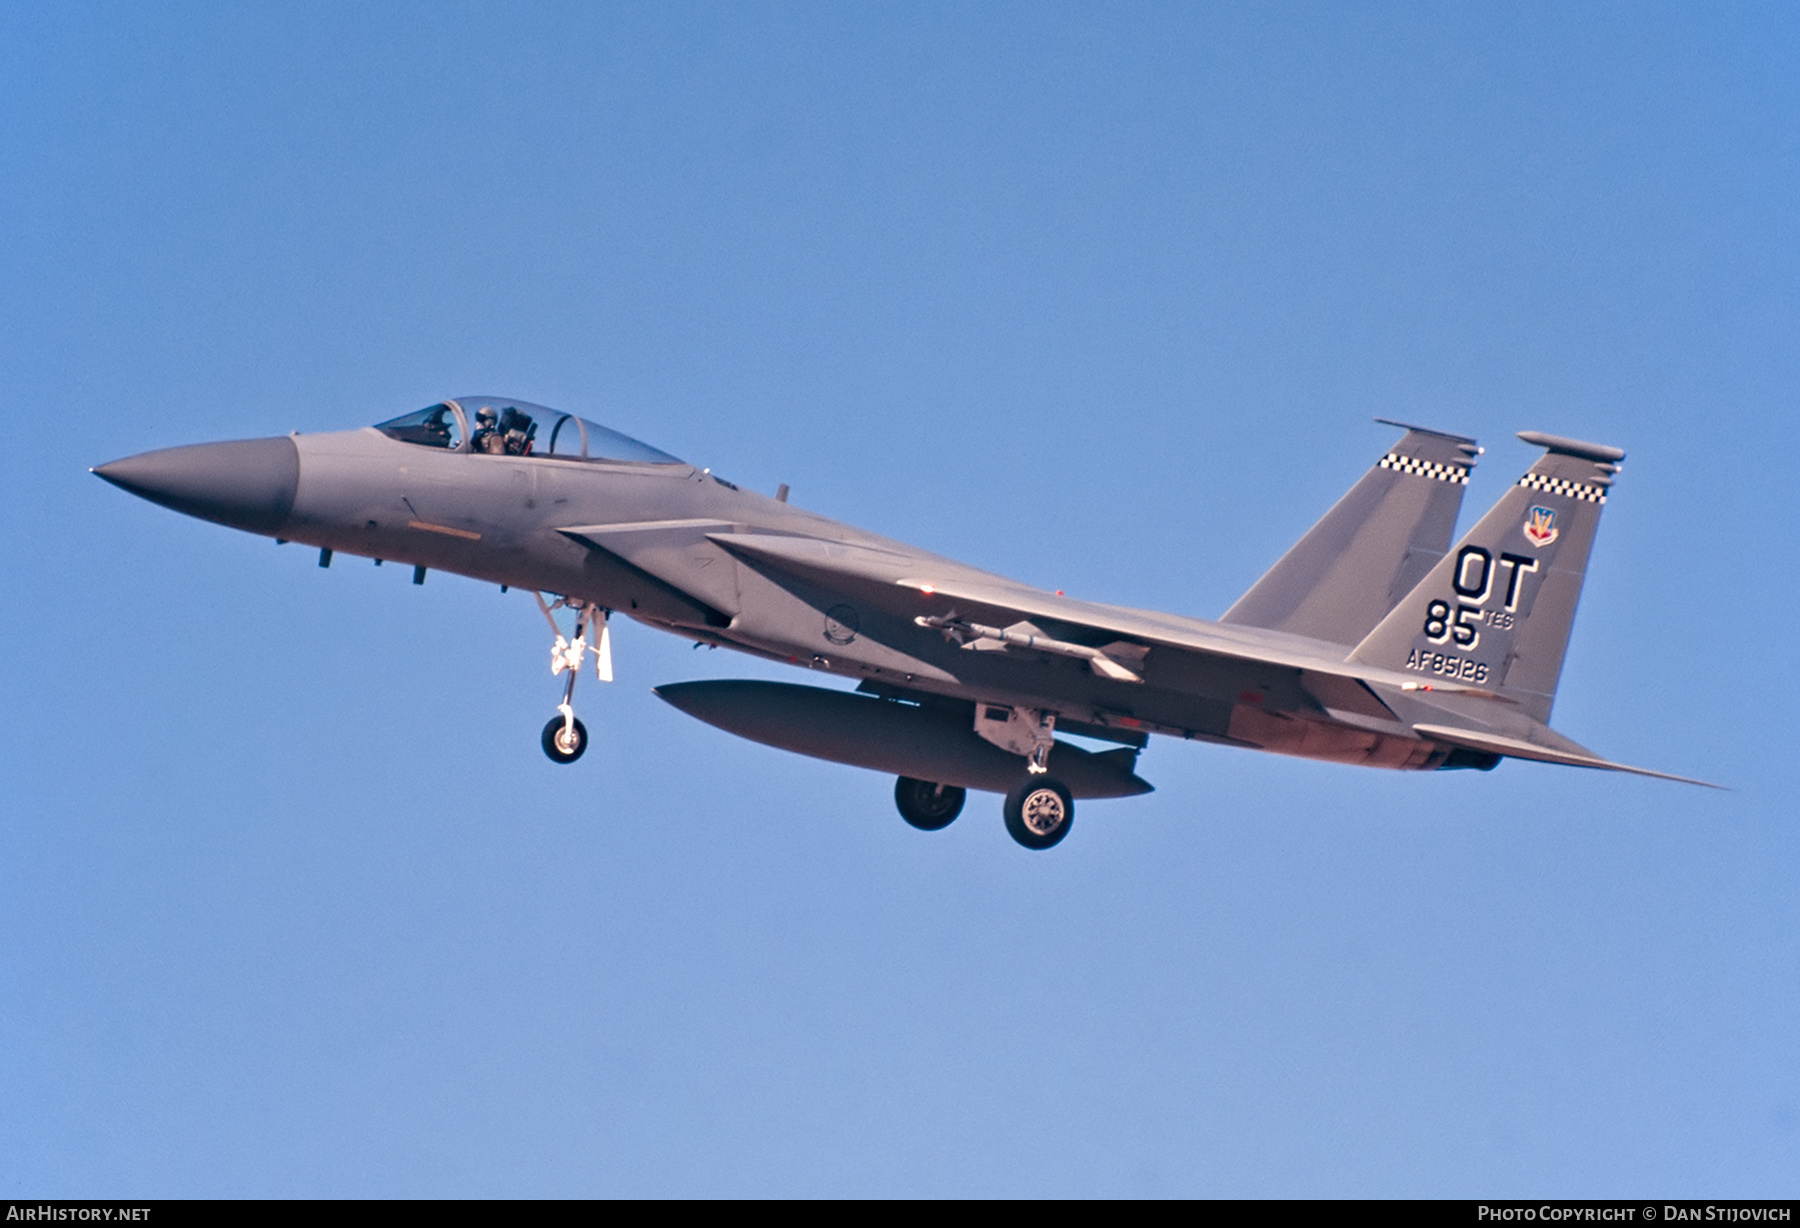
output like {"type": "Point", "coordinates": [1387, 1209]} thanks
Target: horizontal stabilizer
{"type": "Point", "coordinates": [1516, 748]}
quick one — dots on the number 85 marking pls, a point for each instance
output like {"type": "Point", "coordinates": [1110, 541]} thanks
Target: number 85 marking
{"type": "Point", "coordinates": [1440, 625]}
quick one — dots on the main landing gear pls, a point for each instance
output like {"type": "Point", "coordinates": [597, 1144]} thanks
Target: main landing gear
{"type": "Point", "coordinates": [1038, 811]}
{"type": "Point", "coordinates": [565, 737]}
{"type": "Point", "coordinates": [928, 806]}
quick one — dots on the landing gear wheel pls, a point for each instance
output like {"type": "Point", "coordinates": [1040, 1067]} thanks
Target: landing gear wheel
{"type": "Point", "coordinates": [561, 747]}
{"type": "Point", "coordinates": [1039, 812]}
{"type": "Point", "coordinates": [928, 806]}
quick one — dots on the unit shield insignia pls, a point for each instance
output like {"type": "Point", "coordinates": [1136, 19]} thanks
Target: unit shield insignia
{"type": "Point", "coordinates": [841, 624]}
{"type": "Point", "coordinates": [1540, 526]}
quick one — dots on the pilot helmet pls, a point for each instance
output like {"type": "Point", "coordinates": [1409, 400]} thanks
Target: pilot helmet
{"type": "Point", "coordinates": [485, 416]}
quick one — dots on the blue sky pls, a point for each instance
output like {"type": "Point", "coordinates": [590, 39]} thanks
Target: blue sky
{"type": "Point", "coordinates": [1101, 297]}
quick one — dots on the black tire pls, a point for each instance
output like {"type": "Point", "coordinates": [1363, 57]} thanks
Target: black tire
{"type": "Point", "coordinates": [926, 805]}
{"type": "Point", "coordinates": [553, 741]}
{"type": "Point", "coordinates": [1039, 812]}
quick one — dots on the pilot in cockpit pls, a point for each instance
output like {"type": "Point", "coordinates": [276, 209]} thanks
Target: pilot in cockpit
{"type": "Point", "coordinates": [518, 430]}
{"type": "Point", "coordinates": [487, 437]}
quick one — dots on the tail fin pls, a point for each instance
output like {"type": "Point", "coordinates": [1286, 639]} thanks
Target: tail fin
{"type": "Point", "coordinates": [1497, 611]}
{"type": "Point", "coordinates": [1371, 548]}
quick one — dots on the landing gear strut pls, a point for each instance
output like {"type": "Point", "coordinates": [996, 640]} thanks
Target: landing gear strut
{"type": "Point", "coordinates": [565, 737]}
{"type": "Point", "coordinates": [1039, 808]}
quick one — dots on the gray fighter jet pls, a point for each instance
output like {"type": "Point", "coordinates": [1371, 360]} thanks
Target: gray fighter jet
{"type": "Point", "coordinates": [1373, 641]}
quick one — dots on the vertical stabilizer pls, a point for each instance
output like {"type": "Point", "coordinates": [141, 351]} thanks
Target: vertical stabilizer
{"type": "Point", "coordinates": [1371, 548]}
{"type": "Point", "coordinates": [1495, 613]}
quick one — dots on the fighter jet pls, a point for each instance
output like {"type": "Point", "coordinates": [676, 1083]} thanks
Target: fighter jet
{"type": "Point", "coordinates": [1374, 641]}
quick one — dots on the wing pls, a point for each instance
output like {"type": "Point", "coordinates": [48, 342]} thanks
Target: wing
{"type": "Point", "coordinates": [1359, 698]}
{"type": "Point", "coordinates": [1357, 711]}
{"type": "Point", "coordinates": [920, 587]}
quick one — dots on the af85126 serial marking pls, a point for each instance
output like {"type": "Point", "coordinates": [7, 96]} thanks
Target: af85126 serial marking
{"type": "Point", "coordinates": [963, 677]}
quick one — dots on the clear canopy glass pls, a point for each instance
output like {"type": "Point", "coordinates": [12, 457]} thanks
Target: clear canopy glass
{"type": "Point", "coordinates": [435, 427]}
{"type": "Point", "coordinates": [503, 426]}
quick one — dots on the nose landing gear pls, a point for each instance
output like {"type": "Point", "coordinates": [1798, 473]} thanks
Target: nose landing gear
{"type": "Point", "coordinates": [565, 737]}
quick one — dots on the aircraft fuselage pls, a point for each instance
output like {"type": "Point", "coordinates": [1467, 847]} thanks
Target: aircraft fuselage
{"type": "Point", "coordinates": [965, 675]}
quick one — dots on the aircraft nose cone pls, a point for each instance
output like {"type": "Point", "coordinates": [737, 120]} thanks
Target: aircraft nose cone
{"type": "Point", "coordinates": [247, 483]}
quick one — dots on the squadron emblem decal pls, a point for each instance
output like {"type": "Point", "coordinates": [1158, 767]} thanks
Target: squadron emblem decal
{"type": "Point", "coordinates": [1540, 526]}
{"type": "Point", "coordinates": [841, 625]}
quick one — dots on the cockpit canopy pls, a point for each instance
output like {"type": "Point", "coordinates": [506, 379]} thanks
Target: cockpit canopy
{"type": "Point", "coordinates": [501, 426]}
